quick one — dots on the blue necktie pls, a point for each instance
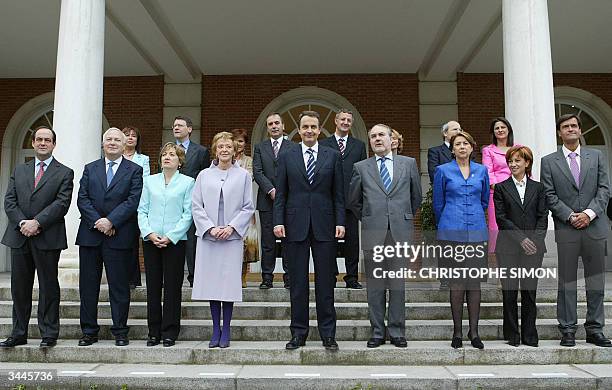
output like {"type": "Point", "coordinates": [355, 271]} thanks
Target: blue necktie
{"type": "Point", "coordinates": [310, 165]}
{"type": "Point", "coordinates": [384, 174]}
{"type": "Point", "coordinates": [110, 173]}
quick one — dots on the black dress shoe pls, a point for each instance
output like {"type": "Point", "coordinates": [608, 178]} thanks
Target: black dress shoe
{"type": "Point", "coordinates": [568, 340]}
{"type": "Point", "coordinates": [87, 340]}
{"type": "Point", "coordinates": [48, 342]}
{"type": "Point", "coordinates": [296, 342]}
{"type": "Point", "coordinates": [530, 343]}
{"type": "Point", "coordinates": [330, 344]}
{"type": "Point", "coordinates": [265, 285]}
{"type": "Point", "coordinates": [399, 342]}
{"type": "Point", "coordinates": [599, 339]}
{"type": "Point", "coordinates": [12, 342]}
{"type": "Point", "coordinates": [169, 342]}
{"type": "Point", "coordinates": [514, 341]}
{"type": "Point", "coordinates": [287, 285]}
{"type": "Point", "coordinates": [457, 342]}
{"type": "Point", "coordinates": [354, 285]}
{"type": "Point", "coordinates": [375, 342]}
{"type": "Point", "coordinates": [152, 341]}
{"type": "Point", "coordinates": [121, 341]}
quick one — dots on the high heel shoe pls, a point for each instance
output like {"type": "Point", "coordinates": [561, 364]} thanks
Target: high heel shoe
{"type": "Point", "coordinates": [457, 342]}
{"type": "Point", "coordinates": [476, 342]}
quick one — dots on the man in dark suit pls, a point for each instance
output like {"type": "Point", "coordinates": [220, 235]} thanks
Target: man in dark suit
{"type": "Point", "coordinates": [441, 154]}
{"type": "Point", "coordinates": [37, 199]}
{"type": "Point", "coordinates": [109, 194]}
{"type": "Point", "coordinates": [309, 213]}
{"type": "Point", "coordinates": [577, 189]}
{"type": "Point", "coordinates": [351, 151]}
{"type": "Point", "coordinates": [198, 159]}
{"type": "Point", "coordinates": [385, 194]}
{"type": "Point", "coordinates": [265, 160]}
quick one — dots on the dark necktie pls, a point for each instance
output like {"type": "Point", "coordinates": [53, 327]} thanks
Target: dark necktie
{"type": "Point", "coordinates": [41, 172]}
{"type": "Point", "coordinates": [341, 145]}
{"type": "Point", "coordinates": [310, 165]}
{"type": "Point", "coordinates": [275, 148]}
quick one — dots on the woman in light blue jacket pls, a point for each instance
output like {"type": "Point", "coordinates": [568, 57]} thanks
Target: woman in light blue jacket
{"type": "Point", "coordinates": [164, 216]}
{"type": "Point", "coordinates": [132, 152]}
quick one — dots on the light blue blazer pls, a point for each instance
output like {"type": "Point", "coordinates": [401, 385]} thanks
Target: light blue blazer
{"type": "Point", "coordinates": [143, 161]}
{"type": "Point", "coordinates": [460, 205]}
{"type": "Point", "coordinates": [166, 210]}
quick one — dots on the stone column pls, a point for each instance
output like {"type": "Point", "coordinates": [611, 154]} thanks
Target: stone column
{"type": "Point", "coordinates": [528, 82]}
{"type": "Point", "coordinates": [77, 117]}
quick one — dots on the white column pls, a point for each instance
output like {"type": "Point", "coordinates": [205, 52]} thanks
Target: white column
{"type": "Point", "coordinates": [528, 82]}
{"type": "Point", "coordinates": [77, 118]}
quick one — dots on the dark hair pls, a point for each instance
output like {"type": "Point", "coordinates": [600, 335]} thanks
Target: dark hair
{"type": "Point", "coordinates": [465, 135]}
{"type": "Point", "coordinates": [344, 111]}
{"type": "Point", "coordinates": [274, 113]}
{"type": "Point", "coordinates": [523, 152]}
{"type": "Point", "coordinates": [508, 125]}
{"type": "Point", "coordinates": [312, 114]}
{"type": "Point", "coordinates": [567, 117]}
{"type": "Point", "coordinates": [187, 120]}
{"type": "Point", "coordinates": [237, 133]}
{"type": "Point", "coordinates": [127, 130]}
{"type": "Point", "coordinates": [44, 127]}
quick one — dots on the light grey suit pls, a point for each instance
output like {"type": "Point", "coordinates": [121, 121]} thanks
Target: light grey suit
{"type": "Point", "coordinates": [565, 197]}
{"type": "Point", "coordinates": [386, 218]}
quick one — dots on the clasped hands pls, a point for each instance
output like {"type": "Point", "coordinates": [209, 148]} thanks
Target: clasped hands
{"type": "Point", "coordinates": [279, 231]}
{"type": "Point", "coordinates": [104, 225]}
{"type": "Point", "coordinates": [30, 227]}
{"type": "Point", "coordinates": [158, 241]}
{"type": "Point", "coordinates": [579, 220]}
{"type": "Point", "coordinates": [221, 232]}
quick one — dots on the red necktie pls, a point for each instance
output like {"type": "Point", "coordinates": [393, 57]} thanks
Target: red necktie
{"type": "Point", "coordinates": [40, 173]}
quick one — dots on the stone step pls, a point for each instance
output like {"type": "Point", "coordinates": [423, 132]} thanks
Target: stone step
{"type": "Point", "coordinates": [274, 353]}
{"type": "Point", "coordinates": [490, 293]}
{"type": "Point", "coordinates": [287, 377]}
{"type": "Point", "coordinates": [282, 310]}
{"type": "Point", "coordinates": [278, 330]}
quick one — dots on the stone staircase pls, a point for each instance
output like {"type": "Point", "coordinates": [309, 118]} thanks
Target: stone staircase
{"type": "Point", "coordinates": [257, 358]}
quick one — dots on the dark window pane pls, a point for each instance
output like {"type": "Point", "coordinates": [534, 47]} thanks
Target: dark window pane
{"type": "Point", "coordinates": [595, 137]}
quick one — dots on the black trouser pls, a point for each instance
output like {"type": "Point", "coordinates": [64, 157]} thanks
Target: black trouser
{"type": "Point", "coordinates": [24, 262]}
{"type": "Point", "coordinates": [115, 262]}
{"type": "Point", "coordinates": [350, 249]}
{"type": "Point", "coordinates": [163, 267]}
{"type": "Point", "coordinates": [190, 251]}
{"type": "Point", "coordinates": [268, 247]}
{"type": "Point", "coordinates": [528, 286]}
{"type": "Point", "coordinates": [324, 257]}
{"type": "Point", "coordinates": [134, 265]}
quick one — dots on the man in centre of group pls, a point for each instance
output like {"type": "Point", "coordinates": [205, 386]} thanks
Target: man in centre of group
{"type": "Point", "coordinates": [309, 213]}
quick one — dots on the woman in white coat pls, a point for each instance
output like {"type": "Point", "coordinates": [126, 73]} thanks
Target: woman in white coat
{"type": "Point", "coordinates": [222, 208]}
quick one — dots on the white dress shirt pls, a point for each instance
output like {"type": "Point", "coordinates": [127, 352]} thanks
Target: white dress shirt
{"type": "Point", "coordinates": [306, 155]}
{"type": "Point", "coordinates": [566, 153]}
{"type": "Point", "coordinates": [280, 142]}
{"type": "Point", "coordinates": [115, 167]}
{"type": "Point", "coordinates": [520, 187]}
{"type": "Point", "coordinates": [388, 164]}
{"type": "Point", "coordinates": [37, 164]}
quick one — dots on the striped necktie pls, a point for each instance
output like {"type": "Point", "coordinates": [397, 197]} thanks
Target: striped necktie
{"type": "Point", "coordinates": [341, 145]}
{"type": "Point", "coordinates": [275, 148]}
{"type": "Point", "coordinates": [384, 173]}
{"type": "Point", "coordinates": [41, 172]}
{"type": "Point", "coordinates": [310, 165]}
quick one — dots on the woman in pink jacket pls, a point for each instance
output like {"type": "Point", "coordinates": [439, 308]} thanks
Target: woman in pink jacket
{"type": "Point", "coordinates": [494, 158]}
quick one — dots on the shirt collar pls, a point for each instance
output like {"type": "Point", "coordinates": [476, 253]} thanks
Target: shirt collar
{"type": "Point", "coordinates": [345, 138]}
{"type": "Point", "coordinates": [47, 161]}
{"type": "Point", "coordinates": [315, 148]}
{"type": "Point", "coordinates": [566, 151]}
{"type": "Point", "coordinates": [521, 183]}
{"type": "Point", "coordinates": [117, 161]}
{"type": "Point", "coordinates": [447, 144]}
{"type": "Point", "coordinates": [279, 139]}
{"type": "Point", "coordinates": [389, 157]}
{"type": "Point", "coordinates": [185, 144]}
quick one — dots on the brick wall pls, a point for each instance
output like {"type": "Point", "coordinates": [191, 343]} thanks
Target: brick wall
{"type": "Point", "coordinates": [237, 101]}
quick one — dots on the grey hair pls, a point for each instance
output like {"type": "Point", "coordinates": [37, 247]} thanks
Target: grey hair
{"type": "Point", "coordinates": [389, 130]}
{"type": "Point", "coordinates": [445, 128]}
{"type": "Point", "coordinates": [123, 137]}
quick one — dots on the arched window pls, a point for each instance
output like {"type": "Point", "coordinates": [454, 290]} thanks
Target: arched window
{"type": "Point", "coordinates": [27, 152]}
{"type": "Point", "coordinates": [291, 118]}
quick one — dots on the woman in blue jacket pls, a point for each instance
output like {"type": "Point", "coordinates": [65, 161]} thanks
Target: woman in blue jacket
{"type": "Point", "coordinates": [164, 216]}
{"type": "Point", "coordinates": [460, 201]}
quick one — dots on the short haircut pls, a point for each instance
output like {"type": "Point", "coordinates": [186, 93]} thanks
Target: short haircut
{"type": "Point", "coordinates": [237, 133]}
{"type": "Point", "coordinates": [567, 117]}
{"type": "Point", "coordinates": [44, 127]}
{"type": "Point", "coordinates": [274, 113]}
{"type": "Point", "coordinates": [344, 111]}
{"type": "Point", "coordinates": [123, 137]}
{"type": "Point", "coordinates": [523, 152]}
{"type": "Point", "coordinates": [465, 135]}
{"type": "Point", "coordinates": [389, 130]}
{"type": "Point", "coordinates": [187, 120]}
{"type": "Point", "coordinates": [508, 125]}
{"type": "Point", "coordinates": [128, 129]}
{"type": "Point", "coordinates": [312, 114]}
{"type": "Point", "coordinates": [222, 136]}
{"type": "Point", "coordinates": [180, 153]}
{"type": "Point", "coordinates": [400, 139]}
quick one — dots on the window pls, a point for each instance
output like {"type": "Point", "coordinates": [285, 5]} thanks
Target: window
{"type": "Point", "coordinates": [290, 119]}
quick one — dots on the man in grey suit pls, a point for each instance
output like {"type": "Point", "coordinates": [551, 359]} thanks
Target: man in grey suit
{"type": "Point", "coordinates": [578, 202]}
{"type": "Point", "coordinates": [197, 159]}
{"type": "Point", "coordinates": [37, 199]}
{"type": "Point", "coordinates": [385, 193]}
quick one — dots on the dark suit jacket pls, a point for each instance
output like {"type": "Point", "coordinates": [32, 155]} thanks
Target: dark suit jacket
{"type": "Point", "coordinates": [48, 203]}
{"type": "Point", "coordinates": [264, 170]}
{"type": "Point", "coordinates": [198, 159]}
{"type": "Point", "coordinates": [354, 152]}
{"type": "Point", "coordinates": [118, 203]}
{"type": "Point", "coordinates": [298, 205]}
{"type": "Point", "coordinates": [437, 155]}
{"type": "Point", "coordinates": [517, 221]}
{"type": "Point", "coordinates": [563, 196]}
